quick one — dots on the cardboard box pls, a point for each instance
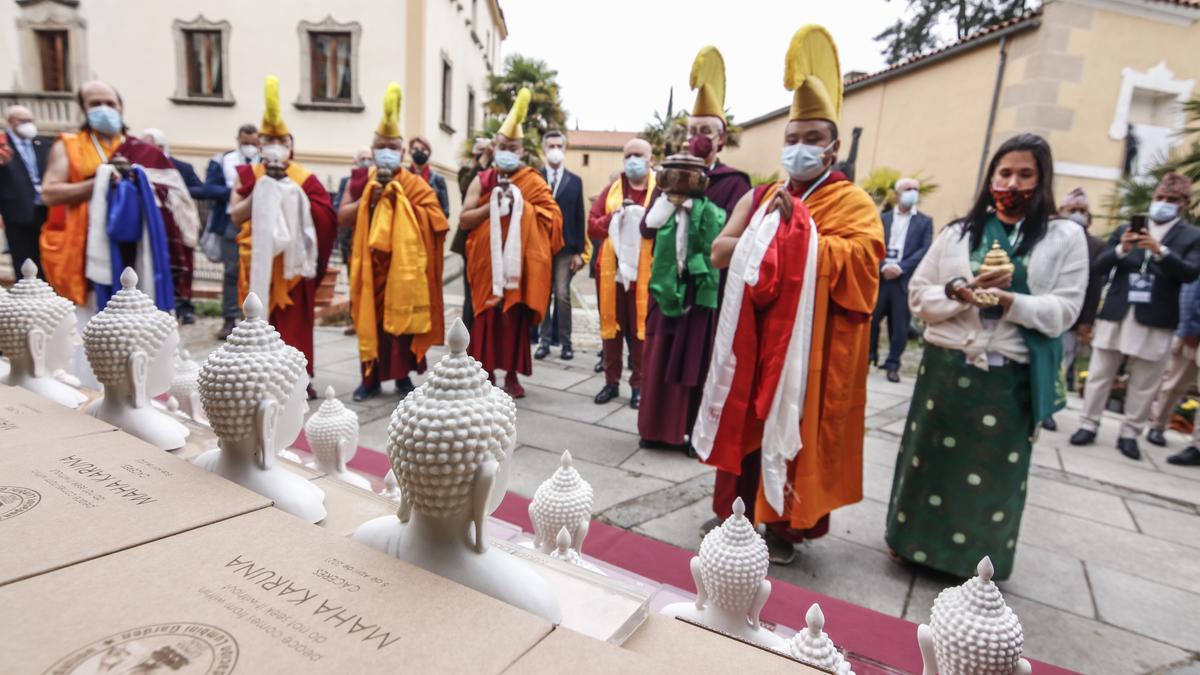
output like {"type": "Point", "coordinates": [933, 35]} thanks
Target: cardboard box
{"type": "Point", "coordinates": [28, 420]}
{"type": "Point", "coordinates": [70, 500]}
{"type": "Point", "coordinates": [260, 593]}
{"type": "Point", "coordinates": [565, 651]}
{"type": "Point", "coordinates": [691, 649]}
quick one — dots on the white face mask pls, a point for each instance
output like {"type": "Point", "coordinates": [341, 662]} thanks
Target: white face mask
{"type": "Point", "coordinates": [387, 158]}
{"type": "Point", "coordinates": [1078, 218]}
{"type": "Point", "coordinates": [804, 162]}
{"type": "Point", "coordinates": [26, 130]}
{"type": "Point", "coordinates": [276, 152]}
{"type": "Point", "coordinates": [248, 150]}
{"type": "Point", "coordinates": [909, 198]}
{"type": "Point", "coordinates": [555, 156]}
{"type": "Point", "coordinates": [1163, 212]}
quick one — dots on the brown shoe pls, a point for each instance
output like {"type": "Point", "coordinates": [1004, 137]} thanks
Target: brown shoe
{"type": "Point", "coordinates": [226, 329]}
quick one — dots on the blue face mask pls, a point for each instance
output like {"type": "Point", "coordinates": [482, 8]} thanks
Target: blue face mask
{"type": "Point", "coordinates": [104, 119]}
{"type": "Point", "coordinates": [507, 160]}
{"type": "Point", "coordinates": [1163, 212]}
{"type": "Point", "coordinates": [635, 167]}
{"type": "Point", "coordinates": [387, 158]}
{"type": "Point", "coordinates": [909, 198]}
{"type": "Point", "coordinates": [804, 162]}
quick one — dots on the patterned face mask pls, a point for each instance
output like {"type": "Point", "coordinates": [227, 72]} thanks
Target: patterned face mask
{"type": "Point", "coordinates": [1012, 201]}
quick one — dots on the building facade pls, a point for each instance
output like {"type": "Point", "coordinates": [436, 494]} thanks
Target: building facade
{"type": "Point", "coordinates": [1098, 79]}
{"type": "Point", "coordinates": [196, 70]}
{"type": "Point", "coordinates": [596, 156]}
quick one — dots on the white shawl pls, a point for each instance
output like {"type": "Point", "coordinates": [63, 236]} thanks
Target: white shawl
{"type": "Point", "coordinates": [624, 230]}
{"type": "Point", "coordinates": [98, 261]}
{"type": "Point", "coordinates": [506, 255]}
{"type": "Point", "coordinates": [281, 223]}
{"type": "Point", "coordinates": [781, 430]}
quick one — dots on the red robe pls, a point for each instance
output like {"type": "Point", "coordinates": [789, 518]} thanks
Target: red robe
{"type": "Point", "coordinates": [500, 334]}
{"type": "Point", "coordinates": [295, 321]}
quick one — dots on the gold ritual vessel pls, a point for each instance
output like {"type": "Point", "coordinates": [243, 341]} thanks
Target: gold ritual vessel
{"type": "Point", "coordinates": [995, 260]}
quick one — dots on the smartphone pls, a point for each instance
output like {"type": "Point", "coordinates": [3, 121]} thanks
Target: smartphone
{"type": "Point", "coordinates": [1138, 223]}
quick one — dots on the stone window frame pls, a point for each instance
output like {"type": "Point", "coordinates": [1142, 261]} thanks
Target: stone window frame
{"type": "Point", "coordinates": [304, 100]}
{"type": "Point", "coordinates": [60, 15]}
{"type": "Point", "coordinates": [179, 30]}
{"type": "Point", "coordinates": [1159, 79]}
{"type": "Point", "coordinates": [446, 94]}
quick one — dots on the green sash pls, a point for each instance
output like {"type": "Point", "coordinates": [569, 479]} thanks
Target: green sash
{"type": "Point", "coordinates": [1045, 353]}
{"type": "Point", "coordinates": [668, 287]}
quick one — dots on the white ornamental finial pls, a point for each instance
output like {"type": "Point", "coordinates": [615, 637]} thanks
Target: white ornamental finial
{"type": "Point", "coordinates": [129, 278]}
{"type": "Point", "coordinates": [984, 569]}
{"type": "Point", "coordinates": [29, 269]}
{"type": "Point", "coordinates": [739, 507]}
{"type": "Point", "coordinates": [563, 541]}
{"type": "Point", "coordinates": [329, 393]}
{"type": "Point", "coordinates": [565, 461]}
{"type": "Point", "coordinates": [252, 307]}
{"type": "Point", "coordinates": [815, 619]}
{"type": "Point", "coordinates": [458, 337]}
{"type": "Point", "coordinates": [814, 647]}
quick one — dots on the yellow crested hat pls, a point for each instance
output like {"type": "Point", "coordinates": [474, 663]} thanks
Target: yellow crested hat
{"type": "Point", "coordinates": [389, 124]}
{"type": "Point", "coordinates": [811, 71]}
{"type": "Point", "coordinates": [516, 116]}
{"type": "Point", "coordinates": [708, 76]}
{"type": "Point", "coordinates": [272, 121]}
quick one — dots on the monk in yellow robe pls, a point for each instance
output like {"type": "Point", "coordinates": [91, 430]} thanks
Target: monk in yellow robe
{"type": "Point", "coordinates": [826, 471]}
{"type": "Point", "coordinates": [515, 228]}
{"type": "Point", "coordinates": [396, 261]}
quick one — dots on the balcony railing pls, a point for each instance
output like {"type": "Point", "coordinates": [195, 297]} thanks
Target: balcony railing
{"type": "Point", "coordinates": [53, 111]}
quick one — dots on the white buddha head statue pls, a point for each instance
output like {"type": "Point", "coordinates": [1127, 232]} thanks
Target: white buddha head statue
{"type": "Point", "coordinates": [562, 501]}
{"type": "Point", "coordinates": [131, 345]}
{"type": "Point", "coordinates": [733, 562]}
{"type": "Point", "coordinates": [37, 326]}
{"type": "Point", "coordinates": [253, 388]}
{"type": "Point", "coordinates": [443, 432]}
{"type": "Point", "coordinates": [332, 433]}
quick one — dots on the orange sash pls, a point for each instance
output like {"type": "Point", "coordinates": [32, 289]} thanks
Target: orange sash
{"type": "Point", "coordinates": [64, 236]}
{"type": "Point", "coordinates": [607, 288]}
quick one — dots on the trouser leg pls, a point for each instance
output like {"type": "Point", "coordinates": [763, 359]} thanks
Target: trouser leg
{"type": "Point", "coordinates": [1102, 370]}
{"type": "Point", "coordinates": [1180, 374]}
{"type": "Point", "coordinates": [1144, 378]}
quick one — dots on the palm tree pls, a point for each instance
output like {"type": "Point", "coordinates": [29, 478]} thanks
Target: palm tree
{"type": "Point", "coordinates": [545, 103]}
{"type": "Point", "coordinates": [667, 134]}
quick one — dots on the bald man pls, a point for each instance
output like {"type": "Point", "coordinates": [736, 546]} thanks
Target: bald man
{"type": "Point", "coordinates": [22, 163]}
{"type": "Point", "coordinates": [623, 268]}
{"type": "Point", "coordinates": [908, 234]}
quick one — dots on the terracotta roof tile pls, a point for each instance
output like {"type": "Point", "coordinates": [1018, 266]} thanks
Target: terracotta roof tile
{"type": "Point", "coordinates": [614, 140]}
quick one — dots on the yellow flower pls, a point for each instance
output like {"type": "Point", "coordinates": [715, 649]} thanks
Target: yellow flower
{"type": "Point", "coordinates": [1083, 374]}
{"type": "Point", "coordinates": [1190, 404]}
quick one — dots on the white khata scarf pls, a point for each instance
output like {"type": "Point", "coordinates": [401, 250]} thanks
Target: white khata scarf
{"type": "Point", "coordinates": [506, 254]}
{"type": "Point", "coordinates": [281, 222]}
{"type": "Point", "coordinates": [624, 229]}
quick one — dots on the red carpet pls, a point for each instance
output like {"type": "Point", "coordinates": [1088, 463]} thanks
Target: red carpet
{"type": "Point", "coordinates": [863, 631]}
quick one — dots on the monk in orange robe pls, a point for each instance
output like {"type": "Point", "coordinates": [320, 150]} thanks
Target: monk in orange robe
{"type": "Point", "coordinates": [826, 471]}
{"type": "Point", "coordinates": [509, 269]}
{"type": "Point", "coordinates": [396, 258]}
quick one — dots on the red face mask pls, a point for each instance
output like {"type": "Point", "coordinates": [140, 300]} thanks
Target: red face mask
{"type": "Point", "coordinates": [700, 146]}
{"type": "Point", "coordinates": [1012, 201]}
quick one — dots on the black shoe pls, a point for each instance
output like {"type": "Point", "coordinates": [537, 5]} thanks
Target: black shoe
{"type": "Point", "coordinates": [363, 393]}
{"type": "Point", "coordinates": [541, 352]}
{"type": "Point", "coordinates": [1083, 437]}
{"type": "Point", "coordinates": [608, 393]}
{"type": "Point", "coordinates": [893, 375]}
{"type": "Point", "coordinates": [312, 393]}
{"type": "Point", "coordinates": [709, 525]}
{"type": "Point", "coordinates": [600, 364]}
{"type": "Point", "coordinates": [1049, 424]}
{"type": "Point", "coordinates": [567, 354]}
{"type": "Point", "coordinates": [404, 387]}
{"type": "Point", "coordinates": [1129, 448]}
{"type": "Point", "coordinates": [226, 329]}
{"type": "Point", "coordinates": [1156, 437]}
{"type": "Point", "coordinates": [779, 550]}
{"type": "Point", "coordinates": [1189, 456]}
{"type": "Point", "coordinates": [187, 317]}
{"type": "Point", "coordinates": [635, 398]}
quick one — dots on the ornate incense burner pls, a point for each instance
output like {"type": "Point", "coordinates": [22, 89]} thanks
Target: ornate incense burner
{"type": "Point", "coordinates": [995, 260]}
{"type": "Point", "coordinates": [682, 176]}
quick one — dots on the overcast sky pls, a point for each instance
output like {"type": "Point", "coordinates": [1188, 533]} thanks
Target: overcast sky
{"type": "Point", "coordinates": [617, 59]}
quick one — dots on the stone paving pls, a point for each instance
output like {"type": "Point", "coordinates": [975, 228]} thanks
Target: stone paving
{"type": "Point", "coordinates": [1107, 576]}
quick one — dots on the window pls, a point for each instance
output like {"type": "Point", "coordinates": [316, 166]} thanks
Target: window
{"type": "Point", "coordinates": [474, 13]}
{"type": "Point", "coordinates": [331, 72]}
{"type": "Point", "coordinates": [470, 112]}
{"type": "Point", "coordinates": [447, 82]}
{"type": "Point", "coordinates": [204, 71]}
{"type": "Point", "coordinates": [202, 62]}
{"type": "Point", "coordinates": [586, 158]}
{"type": "Point", "coordinates": [52, 49]}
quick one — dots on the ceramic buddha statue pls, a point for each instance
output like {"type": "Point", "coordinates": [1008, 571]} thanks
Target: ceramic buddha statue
{"type": "Point", "coordinates": [130, 345]}
{"type": "Point", "coordinates": [731, 582]}
{"type": "Point", "coordinates": [332, 433]}
{"type": "Point", "coordinates": [450, 444]}
{"type": "Point", "coordinates": [37, 334]}
{"type": "Point", "coordinates": [973, 631]}
{"type": "Point", "coordinates": [185, 388]}
{"type": "Point", "coordinates": [254, 392]}
{"type": "Point", "coordinates": [813, 646]}
{"type": "Point", "coordinates": [564, 500]}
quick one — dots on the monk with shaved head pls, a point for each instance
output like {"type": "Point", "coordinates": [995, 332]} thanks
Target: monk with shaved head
{"type": "Point", "coordinates": [623, 268]}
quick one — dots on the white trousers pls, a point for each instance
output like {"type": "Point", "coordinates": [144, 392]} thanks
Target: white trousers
{"type": "Point", "coordinates": [1144, 379]}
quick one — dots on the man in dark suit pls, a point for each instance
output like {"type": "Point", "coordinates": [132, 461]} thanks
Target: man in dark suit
{"type": "Point", "coordinates": [908, 234]}
{"type": "Point", "coordinates": [22, 163]}
{"type": "Point", "coordinates": [1149, 264]}
{"type": "Point", "coordinates": [219, 177]}
{"type": "Point", "coordinates": [568, 192]}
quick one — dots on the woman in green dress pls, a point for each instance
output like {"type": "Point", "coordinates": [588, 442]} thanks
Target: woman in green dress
{"type": "Point", "coordinates": [990, 372]}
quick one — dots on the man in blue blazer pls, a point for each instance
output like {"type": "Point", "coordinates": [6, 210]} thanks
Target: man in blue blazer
{"type": "Point", "coordinates": [568, 192]}
{"type": "Point", "coordinates": [908, 234]}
